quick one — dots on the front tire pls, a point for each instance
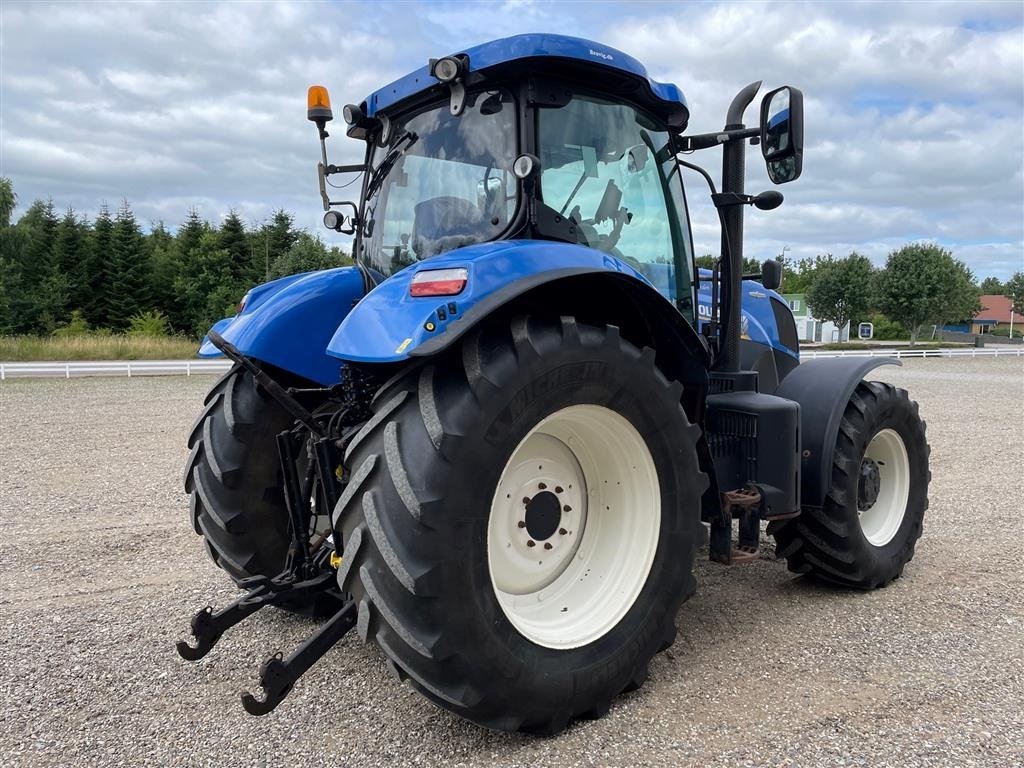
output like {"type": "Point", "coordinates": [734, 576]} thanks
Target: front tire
{"type": "Point", "coordinates": [443, 474]}
{"type": "Point", "coordinates": [864, 534]}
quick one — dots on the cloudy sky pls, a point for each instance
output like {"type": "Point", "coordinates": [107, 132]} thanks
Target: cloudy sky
{"type": "Point", "coordinates": [914, 111]}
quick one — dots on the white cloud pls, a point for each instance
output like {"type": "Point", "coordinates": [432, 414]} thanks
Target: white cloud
{"type": "Point", "coordinates": [913, 110]}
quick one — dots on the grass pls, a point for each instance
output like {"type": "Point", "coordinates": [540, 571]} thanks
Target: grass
{"type": "Point", "coordinates": [95, 347]}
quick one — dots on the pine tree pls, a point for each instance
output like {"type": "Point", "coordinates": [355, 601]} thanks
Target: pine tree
{"type": "Point", "coordinates": [73, 260]}
{"type": "Point", "coordinates": [190, 233]}
{"type": "Point", "coordinates": [232, 238]}
{"type": "Point", "coordinates": [101, 250]}
{"type": "Point", "coordinates": [38, 303]}
{"type": "Point", "coordinates": [128, 292]}
{"type": "Point", "coordinates": [278, 239]}
{"type": "Point", "coordinates": [189, 237]}
{"type": "Point", "coordinates": [10, 247]}
{"type": "Point", "coordinates": [204, 286]}
{"type": "Point", "coordinates": [162, 253]}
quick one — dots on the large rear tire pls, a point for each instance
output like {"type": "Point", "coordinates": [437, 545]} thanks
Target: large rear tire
{"type": "Point", "coordinates": [233, 478]}
{"type": "Point", "coordinates": [546, 427]}
{"type": "Point", "coordinates": [864, 534]}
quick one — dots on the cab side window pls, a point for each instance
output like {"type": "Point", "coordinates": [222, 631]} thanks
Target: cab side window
{"type": "Point", "coordinates": [599, 167]}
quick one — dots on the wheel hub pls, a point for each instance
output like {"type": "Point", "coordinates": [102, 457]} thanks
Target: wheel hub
{"type": "Point", "coordinates": [869, 484]}
{"type": "Point", "coordinates": [883, 487]}
{"type": "Point", "coordinates": [539, 515]}
{"type": "Point", "coordinates": [543, 516]}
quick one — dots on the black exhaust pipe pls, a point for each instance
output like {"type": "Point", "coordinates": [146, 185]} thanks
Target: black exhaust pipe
{"type": "Point", "coordinates": [733, 178]}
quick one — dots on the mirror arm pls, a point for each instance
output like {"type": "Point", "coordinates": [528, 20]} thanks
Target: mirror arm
{"type": "Point", "coordinates": [329, 169]}
{"type": "Point", "coordinates": [706, 140]}
{"type": "Point", "coordinates": [726, 199]}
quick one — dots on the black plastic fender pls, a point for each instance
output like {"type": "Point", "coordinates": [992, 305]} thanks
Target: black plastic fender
{"type": "Point", "coordinates": [823, 388]}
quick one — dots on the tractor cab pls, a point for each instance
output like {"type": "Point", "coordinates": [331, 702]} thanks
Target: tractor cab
{"type": "Point", "coordinates": [535, 137]}
{"type": "Point", "coordinates": [540, 137]}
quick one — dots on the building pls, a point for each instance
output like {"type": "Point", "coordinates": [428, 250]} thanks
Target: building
{"type": "Point", "coordinates": [995, 313]}
{"type": "Point", "coordinates": [810, 329]}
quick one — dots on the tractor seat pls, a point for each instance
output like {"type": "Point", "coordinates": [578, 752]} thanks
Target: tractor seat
{"type": "Point", "coordinates": [443, 223]}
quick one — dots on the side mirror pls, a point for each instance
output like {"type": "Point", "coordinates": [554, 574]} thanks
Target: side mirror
{"type": "Point", "coordinates": [782, 133]}
{"type": "Point", "coordinates": [771, 274]}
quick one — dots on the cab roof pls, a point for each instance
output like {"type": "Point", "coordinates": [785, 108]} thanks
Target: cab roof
{"type": "Point", "coordinates": [555, 53]}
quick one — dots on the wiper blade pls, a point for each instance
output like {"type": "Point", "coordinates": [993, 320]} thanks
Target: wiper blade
{"type": "Point", "coordinates": [401, 146]}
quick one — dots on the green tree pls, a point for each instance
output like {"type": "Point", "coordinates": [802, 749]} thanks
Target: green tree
{"type": "Point", "coordinates": [271, 242]}
{"type": "Point", "coordinates": [233, 239]}
{"type": "Point", "coordinates": [204, 286]}
{"type": "Point", "coordinates": [164, 264]}
{"type": "Point", "coordinates": [841, 289]}
{"type": "Point", "coordinates": [180, 313]}
{"type": "Point", "coordinates": [10, 248]}
{"type": "Point", "coordinates": [101, 252]}
{"type": "Point", "coordinates": [991, 286]}
{"type": "Point", "coordinates": [74, 259]}
{"type": "Point", "coordinates": [1014, 291]}
{"type": "Point", "coordinates": [128, 289]}
{"type": "Point", "coordinates": [308, 253]}
{"type": "Point", "coordinates": [7, 277]}
{"type": "Point", "coordinates": [37, 305]}
{"type": "Point", "coordinates": [8, 201]}
{"type": "Point", "coordinates": [191, 232]}
{"type": "Point", "coordinates": [797, 276]}
{"type": "Point", "coordinates": [922, 284]}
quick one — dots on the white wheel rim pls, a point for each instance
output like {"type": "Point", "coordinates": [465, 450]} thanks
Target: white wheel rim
{"type": "Point", "coordinates": [589, 465]}
{"type": "Point", "coordinates": [883, 518]}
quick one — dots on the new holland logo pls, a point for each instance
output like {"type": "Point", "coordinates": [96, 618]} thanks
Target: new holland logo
{"type": "Point", "coordinates": [602, 55]}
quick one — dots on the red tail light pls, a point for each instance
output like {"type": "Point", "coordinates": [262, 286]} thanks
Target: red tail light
{"type": "Point", "coordinates": [438, 282]}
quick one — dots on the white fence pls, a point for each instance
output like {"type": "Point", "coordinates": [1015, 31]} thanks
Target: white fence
{"type": "Point", "coordinates": [113, 368]}
{"type": "Point", "coordinates": [902, 354]}
{"type": "Point", "coordinates": [215, 366]}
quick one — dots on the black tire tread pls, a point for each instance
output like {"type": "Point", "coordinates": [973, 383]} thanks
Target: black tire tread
{"type": "Point", "coordinates": [382, 554]}
{"type": "Point", "coordinates": [231, 476]}
{"type": "Point", "coordinates": [827, 542]}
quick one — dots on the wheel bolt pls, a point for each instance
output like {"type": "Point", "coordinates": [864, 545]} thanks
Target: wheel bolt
{"type": "Point", "coordinates": [542, 486]}
{"type": "Point", "coordinates": [531, 543]}
{"type": "Point", "coordinates": [562, 531]}
{"type": "Point", "coordinates": [558, 489]}
{"type": "Point", "coordinates": [526, 499]}
{"type": "Point", "coordinates": [567, 508]}
{"type": "Point", "coordinates": [547, 545]}
{"type": "Point", "coordinates": [521, 523]}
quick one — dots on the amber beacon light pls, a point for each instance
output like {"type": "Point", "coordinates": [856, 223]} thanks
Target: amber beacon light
{"type": "Point", "coordinates": [318, 104]}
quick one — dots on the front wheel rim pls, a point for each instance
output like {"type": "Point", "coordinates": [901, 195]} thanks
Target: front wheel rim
{"type": "Point", "coordinates": [574, 526]}
{"type": "Point", "coordinates": [882, 518]}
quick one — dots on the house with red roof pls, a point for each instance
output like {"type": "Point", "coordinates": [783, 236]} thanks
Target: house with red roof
{"type": "Point", "coordinates": [996, 311]}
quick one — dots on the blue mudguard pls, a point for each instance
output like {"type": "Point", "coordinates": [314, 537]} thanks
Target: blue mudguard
{"type": "Point", "coordinates": [389, 325]}
{"type": "Point", "coordinates": [288, 322]}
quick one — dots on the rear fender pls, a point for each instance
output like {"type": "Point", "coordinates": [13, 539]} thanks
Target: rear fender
{"type": "Point", "coordinates": [389, 325]}
{"type": "Point", "coordinates": [823, 388]}
{"type": "Point", "coordinates": [289, 322]}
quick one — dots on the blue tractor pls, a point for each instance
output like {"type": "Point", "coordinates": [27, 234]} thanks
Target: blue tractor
{"type": "Point", "coordinates": [496, 443]}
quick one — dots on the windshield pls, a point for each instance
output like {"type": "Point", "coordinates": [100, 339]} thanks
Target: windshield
{"type": "Point", "coordinates": [444, 181]}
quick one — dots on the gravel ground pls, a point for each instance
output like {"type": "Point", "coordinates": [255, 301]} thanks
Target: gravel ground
{"type": "Point", "coordinates": [99, 573]}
